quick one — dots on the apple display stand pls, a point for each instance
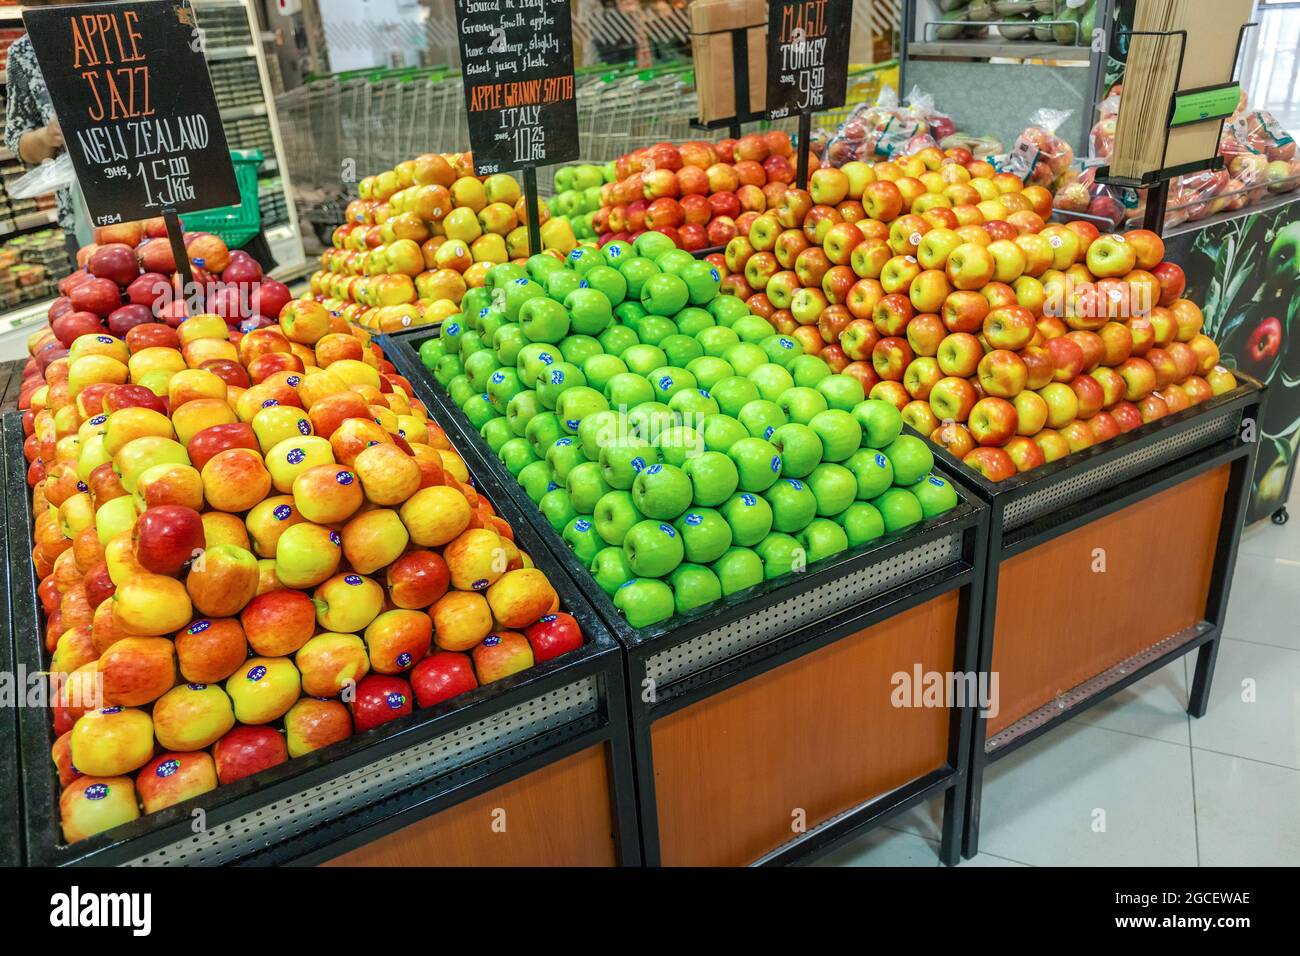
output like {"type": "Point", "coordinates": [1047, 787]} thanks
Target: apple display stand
{"type": "Point", "coordinates": [764, 727]}
{"type": "Point", "coordinates": [1107, 565]}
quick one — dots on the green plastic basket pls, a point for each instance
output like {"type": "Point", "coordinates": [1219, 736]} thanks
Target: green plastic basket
{"type": "Point", "coordinates": [235, 225]}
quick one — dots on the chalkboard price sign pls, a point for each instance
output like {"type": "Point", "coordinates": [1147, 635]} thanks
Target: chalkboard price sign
{"type": "Point", "coordinates": [807, 55]}
{"type": "Point", "coordinates": [130, 86]}
{"type": "Point", "coordinates": [517, 63]}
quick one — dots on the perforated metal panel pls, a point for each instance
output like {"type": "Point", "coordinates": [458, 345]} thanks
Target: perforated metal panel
{"type": "Point", "coordinates": [384, 778]}
{"type": "Point", "coordinates": [1077, 695]}
{"type": "Point", "coordinates": [710, 648]}
{"type": "Point", "coordinates": [1058, 494]}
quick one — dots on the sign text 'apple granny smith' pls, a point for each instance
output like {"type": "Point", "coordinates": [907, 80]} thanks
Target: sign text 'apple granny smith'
{"type": "Point", "coordinates": [517, 63]}
{"type": "Point", "coordinates": [807, 55]}
{"type": "Point", "coordinates": [131, 90]}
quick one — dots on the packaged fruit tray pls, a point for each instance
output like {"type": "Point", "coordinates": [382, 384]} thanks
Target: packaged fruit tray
{"type": "Point", "coordinates": [313, 806]}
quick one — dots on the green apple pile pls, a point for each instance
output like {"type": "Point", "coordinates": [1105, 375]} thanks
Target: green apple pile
{"type": "Point", "coordinates": [577, 195]}
{"type": "Point", "coordinates": [682, 447]}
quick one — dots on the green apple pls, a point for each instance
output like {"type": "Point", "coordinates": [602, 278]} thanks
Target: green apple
{"type": "Point", "coordinates": [643, 358]}
{"type": "Point", "coordinates": [727, 310]}
{"type": "Point", "coordinates": [489, 324]}
{"type": "Point", "coordinates": [668, 380]}
{"type": "Point", "coordinates": [674, 260]}
{"type": "Point", "coordinates": [622, 460]}
{"type": "Point", "coordinates": [772, 381]}
{"type": "Point", "coordinates": [507, 342]}
{"type": "Point", "coordinates": [614, 515]}
{"type": "Point", "coordinates": [470, 342]}
{"type": "Point", "coordinates": [518, 293]}
{"type": "Point", "coordinates": [478, 409]}
{"type": "Point", "coordinates": [516, 454]}
{"type": "Point", "coordinates": [563, 456]}
{"type": "Point", "coordinates": [630, 313]}
{"type": "Point", "coordinates": [693, 405]}
{"type": "Point", "coordinates": [617, 339]}
{"type": "Point", "coordinates": [610, 569]}
{"type": "Point", "coordinates": [645, 601]}
{"type": "Point", "coordinates": [750, 518]}
{"type": "Point", "coordinates": [800, 449]}
{"type": "Point", "coordinates": [583, 259]}
{"type": "Point", "coordinates": [599, 369]}
{"type": "Point", "coordinates": [881, 421]}
{"type": "Point", "coordinates": [721, 432]}
{"type": "Point", "coordinates": [810, 370]}
{"type": "Point", "coordinates": [738, 569]}
{"type": "Point", "coordinates": [714, 477]}
{"type": "Point", "coordinates": [503, 385]}
{"type": "Point", "coordinates": [709, 371]}
{"type": "Point", "coordinates": [705, 535]}
{"type": "Point", "coordinates": [655, 330]}
{"type": "Point", "coordinates": [653, 548]}
{"type": "Point", "coordinates": [608, 281]}
{"type": "Point", "coordinates": [936, 495]}
{"type": "Point", "coordinates": [911, 458]}
{"type": "Point", "coordinates": [496, 433]}
{"type": "Point", "coordinates": [560, 283]}
{"type": "Point", "coordinates": [753, 329]}
{"type": "Point", "coordinates": [899, 509]}
{"type": "Point", "coordinates": [432, 350]}
{"type": "Point", "coordinates": [652, 244]}
{"type": "Point", "coordinates": [745, 358]}
{"type": "Point", "coordinates": [460, 390]}
{"type": "Point", "coordinates": [781, 554]}
{"type": "Point", "coordinates": [841, 391]}
{"type": "Point", "coordinates": [733, 393]}
{"type": "Point", "coordinates": [762, 418]}
{"type": "Point", "coordinates": [678, 443]}
{"type": "Point", "coordinates": [627, 390]}
{"type": "Point", "coordinates": [599, 429]}
{"type": "Point", "coordinates": [716, 339]}
{"type": "Point", "coordinates": [533, 359]}
{"type": "Point", "coordinates": [834, 487]}
{"type": "Point", "coordinates": [539, 265]}
{"type": "Point", "coordinates": [840, 433]}
{"type": "Point", "coordinates": [616, 250]}
{"type": "Point", "coordinates": [536, 480]}
{"type": "Point", "coordinates": [793, 505]}
{"type": "Point", "coordinates": [757, 463]}
{"type": "Point", "coordinates": [694, 586]}
{"type": "Point", "coordinates": [781, 350]}
{"type": "Point", "coordinates": [449, 338]}
{"type": "Point", "coordinates": [449, 367]}
{"type": "Point", "coordinates": [556, 508]}
{"type": "Point", "coordinates": [543, 320]}
{"type": "Point", "coordinates": [580, 535]}
{"type": "Point", "coordinates": [823, 538]}
{"type": "Point", "coordinates": [586, 486]}
{"type": "Point", "coordinates": [680, 349]}
{"type": "Point", "coordinates": [861, 522]}
{"type": "Point", "coordinates": [637, 271]}
{"type": "Point", "coordinates": [542, 431]}
{"type": "Point", "coordinates": [801, 403]}
{"type": "Point", "coordinates": [577, 403]}
{"type": "Point", "coordinates": [662, 491]}
{"type": "Point", "coordinates": [590, 311]}
{"type": "Point", "coordinates": [650, 419]}
{"type": "Point", "coordinates": [576, 349]}
{"type": "Point", "coordinates": [556, 380]}
{"type": "Point", "coordinates": [521, 409]}
{"type": "Point", "coordinates": [480, 297]}
{"type": "Point", "coordinates": [702, 280]}
{"type": "Point", "coordinates": [874, 473]}
{"type": "Point", "coordinates": [692, 321]}
{"type": "Point", "coordinates": [479, 368]}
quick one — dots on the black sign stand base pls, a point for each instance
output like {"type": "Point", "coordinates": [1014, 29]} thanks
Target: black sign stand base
{"type": "Point", "coordinates": [532, 211]}
{"type": "Point", "coordinates": [176, 237]}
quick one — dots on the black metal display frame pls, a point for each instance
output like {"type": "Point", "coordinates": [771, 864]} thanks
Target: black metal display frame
{"type": "Point", "coordinates": [11, 830]}
{"type": "Point", "coordinates": [1196, 440]}
{"type": "Point", "coordinates": [963, 530]}
{"type": "Point", "coordinates": [596, 669]}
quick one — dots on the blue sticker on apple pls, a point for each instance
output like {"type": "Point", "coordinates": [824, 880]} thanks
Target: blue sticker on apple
{"type": "Point", "coordinates": [564, 442]}
{"type": "Point", "coordinates": [82, 486]}
{"type": "Point", "coordinates": [335, 539]}
{"type": "Point", "coordinates": [403, 659]}
{"type": "Point", "coordinates": [713, 273]}
{"type": "Point", "coordinates": [705, 392]}
{"type": "Point", "coordinates": [694, 519]}
{"type": "Point", "coordinates": [521, 281]}
{"type": "Point", "coordinates": [572, 424]}
{"type": "Point", "coordinates": [584, 284]}
{"type": "Point", "coordinates": [654, 469]}
{"type": "Point", "coordinates": [482, 313]}
{"type": "Point", "coordinates": [198, 627]}
{"type": "Point", "coordinates": [270, 403]}
{"type": "Point", "coordinates": [295, 456]}
{"type": "Point", "coordinates": [111, 710]}
{"type": "Point", "coordinates": [786, 343]}
{"type": "Point", "coordinates": [776, 463]}
{"type": "Point", "coordinates": [575, 255]}
{"type": "Point", "coordinates": [396, 700]}
{"type": "Point", "coordinates": [99, 419]}
{"type": "Point", "coordinates": [668, 530]}
{"type": "Point", "coordinates": [304, 426]}
{"type": "Point", "coordinates": [453, 329]}
{"type": "Point", "coordinates": [344, 478]}
{"type": "Point", "coordinates": [665, 383]}
{"type": "Point", "coordinates": [627, 582]}
{"type": "Point", "coordinates": [937, 482]}
{"type": "Point", "coordinates": [352, 579]}
{"type": "Point", "coordinates": [548, 618]}
{"type": "Point", "coordinates": [546, 358]}
{"type": "Point", "coordinates": [880, 460]}
{"type": "Point", "coordinates": [582, 525]}
{"type": "Point", "coordinates": [96, 791]}
{"type": "Point", "coordinates": [557, 377]}
{"type": "Point", "coordinates": [104, 338]}
{"type": "Point", "coordinates": [197, 686]}
{"type": "Point", "coordinates": [167, 768]}
{"type": "Point", "coordinates": [767, 432]}
{"type": "Point", "coordinates": [551, 486]}
{"type": "Point", "coordinates": [255, 674]}
{"type": "Point", "coordinates": [749, 500]}
{"type": "Point", "coordinates": [498, 377]}
{"type": "Point", "coordinates": [615, 252]}
{"type": "Point", "coordinates": [796, 485]}
{"type": "Point", "coordinates": [293, 381]}
{"type": "Point", "coordinates": [282, 512]}
{"type": "Point", "coordinates": [637, 464]}
{"type": "Point", "coordinates": [480, 584]}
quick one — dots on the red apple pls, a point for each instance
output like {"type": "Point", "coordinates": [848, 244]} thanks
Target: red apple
{"type": "Point", "coordinates": [379, 699]}
{"type": "Point", "coordinates": [246, 750]}
{"type": "Point", "coordinates": [166, 537]}
{"type": "Point", "coordinates": [442, 676]}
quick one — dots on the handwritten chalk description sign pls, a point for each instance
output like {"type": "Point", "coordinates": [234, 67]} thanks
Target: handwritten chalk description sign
{"type": "Point", "coordinates": [807, 55]}
{"type": "Point", "coordinates": [130, 86]}
{"type": "Point", "coordinates": [517, 63]}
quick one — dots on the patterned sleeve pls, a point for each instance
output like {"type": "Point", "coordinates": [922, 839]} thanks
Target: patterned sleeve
{"type": "Point", "coordinates": [23, 114]}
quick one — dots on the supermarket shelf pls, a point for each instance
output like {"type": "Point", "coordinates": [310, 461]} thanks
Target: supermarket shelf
{"type": "Point", "coordinates": [230, 53]}
{"type": "Point", "coordinates": [10, 13]}
{"type": "Point", "coordinates": [1009, 49]}
{"type": "Point", "coordinates": [31, 220]}
{"type": "Point", "coordinates": [244, 112]}
{"type": "Point", "coordinates": [1268, 205]}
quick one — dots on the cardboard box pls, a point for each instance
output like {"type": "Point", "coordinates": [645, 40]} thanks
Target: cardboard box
{"type": "Point", "coordinates": [712, 23]}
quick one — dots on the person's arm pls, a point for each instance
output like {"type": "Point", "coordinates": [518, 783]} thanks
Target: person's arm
{"type": "Point", "coordinates": [40, 144]}
{"type": "Point", "coordinates": [26, 133]}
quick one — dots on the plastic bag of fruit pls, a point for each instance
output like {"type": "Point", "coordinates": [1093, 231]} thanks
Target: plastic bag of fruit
{"type": "Point", "coordinates": [1101, 140]}
{"type": "Point", "coordinates": [1257, 132]}
{"type": "Point", "coordinates": [1040, 157]}
{"type": "Point", "coordinates": [981, 147]}
{"type": "Point", "coordinates": [1081, 194]}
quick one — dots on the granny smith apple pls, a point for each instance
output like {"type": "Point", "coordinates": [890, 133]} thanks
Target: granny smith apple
{"type": "Point", "coordinates": [649, 419]}
{"type": "Point", "coordinates": [757, 463]}
{"type": "Point", "coordinates": [577, 403]}
{"type": "Point", "coordinates": [576, 349]}
{"type": "Point", "coordinates": [590, 312]}
{"type": "Point", "coordinates": [749, 516]}
{"type": "Point", "coordinates": [874, 473]}
{"type": "Point", "coordinates": [716, 339]}
{"type": "Point", "coordinates": [518, 293]}
{"type": "Point", "coordinates": [840, 433]}
{"type": "Point", "coordinates": [702, 279]}
{"type": "Point", "coordinates": [610, 569]}
{"type": "Point", "coordinates": [678, 443]}
{"type": "Point", "coordinates": [911, 458]}
{"type": "Point", "coordinates": [614, 515]}
{"type": "Point", "coordinates": [793, 505]}
{"type": "Point", "coordinates": [772, 380]}
{"type": "Point", "coordinates": [834, 487]}
{"type": "Point", "coordinates": [705, 534]}
{"type": "Point", "coordinates": [448, 338]}
{"type": "Point", "coordinates": [899, 509]}
{"type": "Point", "coordinates": [800, 449]}
{"type": "Point", "coordinates": [642, 359]}
{"type": "Point", "coordinates": [544, 320]}
{"type": "Point", "coordinates": [823, 538]}
{"type": "Point", "coordinates": [693, 405]}
{"type": "Point", "coordinates": [652, 244]}
{"type": "Point", "coordinates": [727, 309]}
{"type": "Point", "coordinates": [655, 330]}
{"type": "Point", "coordinates": [599, 429]}
{"type": "Point", "coordinates": [861, 522]}
{"type": "Point", "coordinates": [662, 491]}
{"type": "Point", "coordinates": [489, 324]}
{"type": "Point", "coordinates": [536, 480]}
{"type": "Point", "coordinates": [781, 350]}
{"type": "Point", "coordinates": [460, 390]}
{"type": "Point", "coordinates": [630, 313]}
{"type": "Point", "coordinates": [692, 321]}
{"type": "Point", "coordinates": [533, 361]}
{"type": "Point", "coordinates": [470, 342]}
{"type": "Point", "coordinates": [617, 339]}
{"type": "Point", "coordinates": [507, 342]}
{"type": "Point", "coordinates": [645, 601]}
{"type": "Point", "coordinates": [520, 411]}
{"type": "Point", "coordinates": [653, 548]}
{"type": "Point", "coordinates": [503, 385]}
{"type": "Point", "coordinates": [479, 368]}
{"type": "Point", "coordinates": [615, 251]}
{"type": "Point", "coordinates": [637, 271]}
{"type": "Point", "coordinates": [448, 368]}
{"type": "Point", "coordinates": [721, 432]}
{"type": "Point", "coordinates": [540, 265]}
{"type": "Point", "coordinates": [584, 258]}
{"type": "Point", "coordinates": [580, 535]}
{"type": "Point", "coordinates": [627, 390]}
{"type": "Point", "coordinates": [624, 459]}
{"type": "Point", "coordinates": [599, 369]}
{"type": "Point", "coordinates": [881, 421]}
{"type": "Point", "coordinates": [608, 281]}
{"type": "Point", "coordinates": [478, 409]}
{"type": "Point", "coordinates": [811, 370]}
{"type": "Point", "coordinates": [761, 418]}
{"type": "Point", "coordinates": [542, 431]}
{"type": "Point", "coordinates": [936, 495]}
{"type": "Point", "coordinates": [586, 486]}
{"type": "Point", "coordinates": [733, 393]}
{"type": "Point", "coordinates": [738, 569]}
{"type": "Point", "coordinates": [560, 283]}
{"type": "Point", "coordinates": [516, 454]}
{"type": "Point", "coordinates": [434, 349]}
{"type": "Point", "coordinates": [714, 477]}
{"type": "Point", "coordinates": [480, 297]}
{"type": "Point", "coordinates": [801, 403]}
{"type": "Point", "coordinates": [745, 357]}
{"type": "Point", "coordinates": [680, 349]}
{"type": "Point", "coordinates": [694, 586]}
{"type": "Point", "coordinates": [556, 508]}
{"type": "Point", "coordinates": [556, 380]}
{"type": "Point", "coordinates": [496, 433]}
{"type": "Point", "coordinates": [842, 391]}
{"type": "Point", "coordinates": [781, 554]}
{"type": "Point", "coordinates": [563, 456]}
{"type": "Point", "coordinates": [753, 329]}
{"type": "Point", "coordinates": [709, 371]}
{"type": "Point", "coordinates": [674, 260]}
{"type": "Point", "coordinates": [668, 380]}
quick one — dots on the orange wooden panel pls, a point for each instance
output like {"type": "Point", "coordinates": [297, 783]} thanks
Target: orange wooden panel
{"type": "Point", "coordinates": [560, 815]}
{"type": "Point", "coordinates": [1060, 623]}
{"type": "Point", "coordinates": [819, 734]}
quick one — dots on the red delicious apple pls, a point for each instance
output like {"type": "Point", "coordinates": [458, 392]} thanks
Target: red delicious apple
{"type": "Point", "coordinates": [553, 635]}
{"type": "Point", "coordinates": [130, 396]}
{"type": "Point", "coordinates": [379, 699]}
{"type": "Point", "coordinates": [442, 676]}
{"type": "Point", "coordinates": [124, 319]}
{"type": "Point", "coordinates": [100, 296]}
{"type": "Point", "coordinates": [115, 261]}
{"type": "Point", "coordinates": [218, 438]}
{"type": "Point", "coordinates": [166, 537]}
{"type": "Point", "coordinates": [246, 750]}
{"type": "Point", "coordinates": [70, 326]}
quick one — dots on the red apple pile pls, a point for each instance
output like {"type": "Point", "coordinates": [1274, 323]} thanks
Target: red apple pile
{"type": "Point", "coordinates": [251, 546]}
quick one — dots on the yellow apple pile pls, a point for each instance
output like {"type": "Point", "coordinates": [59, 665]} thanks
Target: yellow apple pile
{"type": "Point", "coordinates": [420, 235]}
{"type": "Point", "coordinates": [252, 546]}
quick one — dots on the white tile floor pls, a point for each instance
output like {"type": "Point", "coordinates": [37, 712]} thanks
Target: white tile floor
{"type": "Point", "coordinates": [1135, 781]}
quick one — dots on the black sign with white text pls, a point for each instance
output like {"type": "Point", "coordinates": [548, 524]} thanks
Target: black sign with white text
{"type": "Point", "coordinates": [130, 86]}
{"type": "Point", "coordinates": [517, 63]}
{"type": "Point", "coordinates": [807, 55]}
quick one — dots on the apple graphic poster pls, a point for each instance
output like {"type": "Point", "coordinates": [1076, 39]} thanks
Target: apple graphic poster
{"type": "Point", "coordinates": [1245, 272]}
{"type": "Point", "coordinates": [517, 65]}
{"type": "Point", "coordinates": [807, 55]}
{"type": "Point", "coordinates": [130, 85]}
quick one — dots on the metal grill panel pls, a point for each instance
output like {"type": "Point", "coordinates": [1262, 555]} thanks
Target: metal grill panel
{"type": "Point", "coordinates": [1067, 491]}
{"type": "Point", "coordinates": [708, 649]}
{"type": "Point", "coordinates": [393, 774]}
